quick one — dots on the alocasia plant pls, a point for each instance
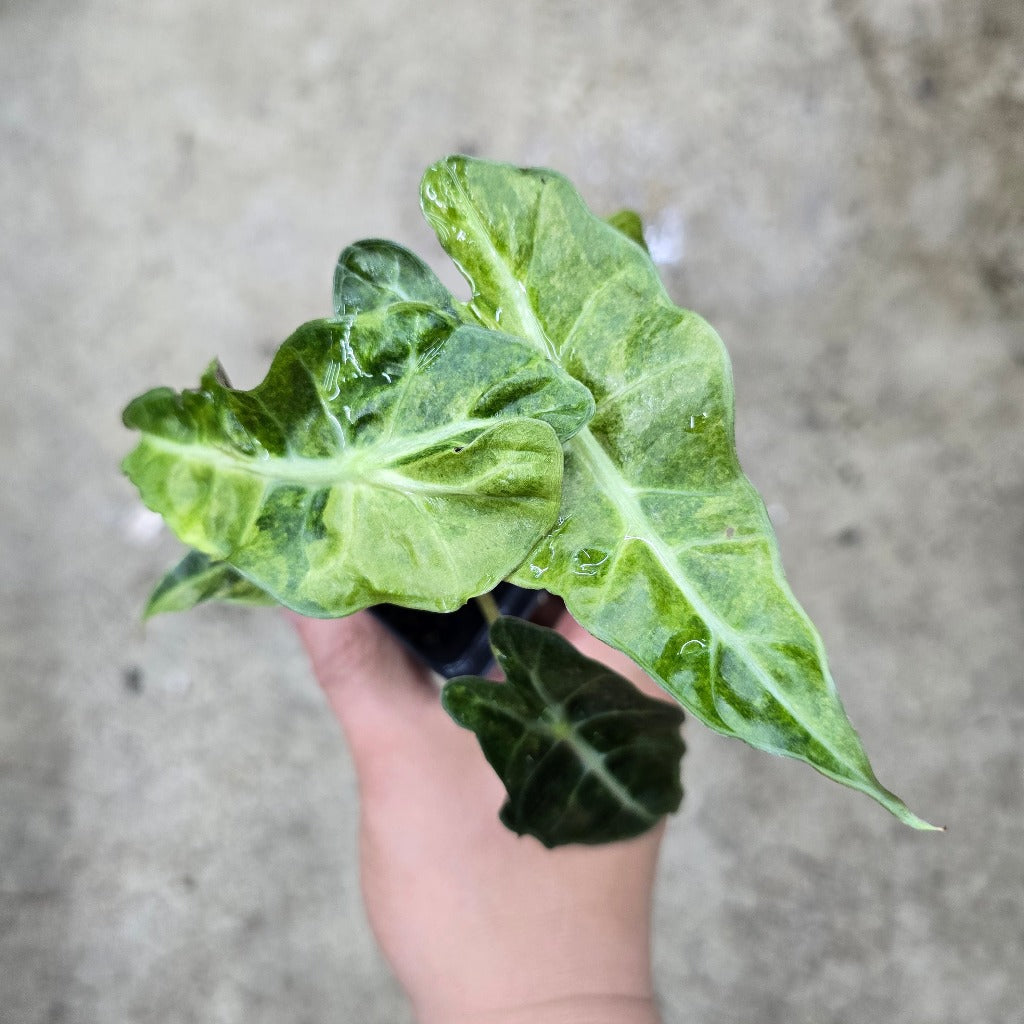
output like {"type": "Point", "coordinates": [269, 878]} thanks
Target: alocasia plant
{"type": "Point", "coordinates": [568, 428]}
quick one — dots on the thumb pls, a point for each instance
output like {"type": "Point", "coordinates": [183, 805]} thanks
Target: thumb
{"type": "Point", "coordinates": [375, 687]}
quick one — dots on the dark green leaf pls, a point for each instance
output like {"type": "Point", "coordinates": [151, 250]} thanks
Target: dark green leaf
{"type": "Point", "coordinates": [663, 548]}
{"type": "Point", "coordinates": [394, 456]}
{"type": "Point", "coordinates": [197, 578]}
{"type": "Point", "coordinates": [585, 757]}
{"type": "Point", "coordinates": [377, 273]}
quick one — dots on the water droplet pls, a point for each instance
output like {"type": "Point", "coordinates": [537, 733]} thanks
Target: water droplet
{"type": "Point", "coordinates": [331, 386]}
{"type": "Point", "coordinates": [678, 661]}
{"type": "Point", "coordinates": [349, 359]}
{"type": "Point", "coordinates": [460, 235]}
{"type": "Point", "coordinates": [692, 647]}
{"type": "Point", "coordinates": [588, 561]}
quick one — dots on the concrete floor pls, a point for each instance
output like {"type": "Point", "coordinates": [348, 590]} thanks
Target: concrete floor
{"type": "Point", "coordinates": [838, 186]}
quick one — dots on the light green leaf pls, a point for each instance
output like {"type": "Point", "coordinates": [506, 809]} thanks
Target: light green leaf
{"type": "Point", "coordinates": [197, 578]}
{"type": "Point", "coordinates": [394, 456]}
{"type": "Point", "coordinates": [663, 548]}
{"type": "Point", "coordinates": [628, 223]}
{"type": "Point", "coordinates": [584, 756]}
{"type": "Point", "coordinates": [375, 274]}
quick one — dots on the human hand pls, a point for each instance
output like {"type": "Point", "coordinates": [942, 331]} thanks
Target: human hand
{"type": "Point", "coordinates": [480, 926]}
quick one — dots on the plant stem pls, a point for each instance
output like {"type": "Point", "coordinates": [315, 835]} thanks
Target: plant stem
{"type": "Point", "coordinates": [489, 607]}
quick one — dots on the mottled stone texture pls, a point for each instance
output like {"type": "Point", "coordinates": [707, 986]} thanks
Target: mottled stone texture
{"type": "Point", "coordinates": [838, 186]}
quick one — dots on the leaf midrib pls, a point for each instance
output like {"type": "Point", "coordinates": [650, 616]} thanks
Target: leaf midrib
{"type": "Point", "coordinates": [514, 289]}
{"type": "Point", "coordinates": [356, 464]}
{"type": "Point", "coordinates": [612, 484]}
{"type": "Point", "coordinates": [619, 492]}
{"type": "Point", "coordinates": [591, 760]}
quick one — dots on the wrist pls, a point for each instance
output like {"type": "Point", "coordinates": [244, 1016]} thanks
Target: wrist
{"type": "Point", "coordinates": [570, 1009]}
{"type": "Point", "coordinates": [587, 967]}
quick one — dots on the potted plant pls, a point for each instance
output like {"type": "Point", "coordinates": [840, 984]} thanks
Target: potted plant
{"type": "Point", "coordinates": [568, 428]}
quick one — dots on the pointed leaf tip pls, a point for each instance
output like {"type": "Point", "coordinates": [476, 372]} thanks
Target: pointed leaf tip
{"type": "Point", "coordinates": [663, 548]}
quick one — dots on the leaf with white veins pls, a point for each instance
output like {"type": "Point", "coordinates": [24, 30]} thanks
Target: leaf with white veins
{"type": "Point", "coordinates": [395, 456]}
{"type": "Point", "coordinates": [663, 548]}
{"type": "Point", "coordinates": [585, 757]}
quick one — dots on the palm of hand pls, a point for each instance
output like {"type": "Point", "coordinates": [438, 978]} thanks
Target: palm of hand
{"type": "Point", "coordinates": [477, 923]}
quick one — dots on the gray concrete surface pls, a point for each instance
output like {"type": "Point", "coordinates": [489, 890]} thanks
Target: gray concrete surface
{"type": "Point", "coordinates": [838, 186]}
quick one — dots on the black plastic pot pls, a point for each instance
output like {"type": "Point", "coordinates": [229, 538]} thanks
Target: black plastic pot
{"type": "Point", "coordinates": [455, 643]}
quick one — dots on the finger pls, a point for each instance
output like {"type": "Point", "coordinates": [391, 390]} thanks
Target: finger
{"type": "Point", "coordinates": [373, 685]}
